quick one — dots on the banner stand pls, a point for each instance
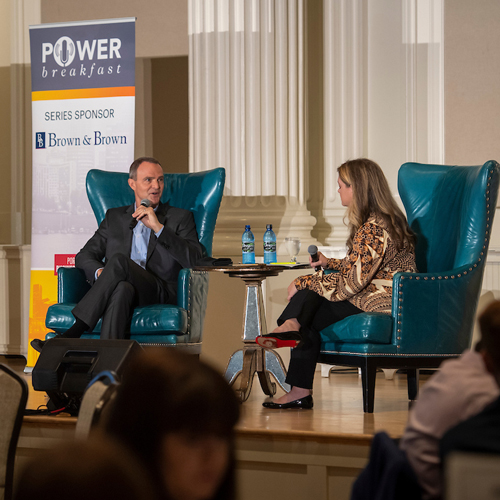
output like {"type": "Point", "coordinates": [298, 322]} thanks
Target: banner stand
{"type": "Point", "coordinates": [83, 116]}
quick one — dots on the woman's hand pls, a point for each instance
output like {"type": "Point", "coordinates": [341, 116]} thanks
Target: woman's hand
{"type": "Point", "coordinates": [322, 261]}
{"type": "Point", "coordinates": [292, 290]}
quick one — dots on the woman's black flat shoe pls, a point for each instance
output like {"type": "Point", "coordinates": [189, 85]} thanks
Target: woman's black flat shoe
{"type": "Point", "coordinates": [280, 339]}
{"type": "Point", "coordinates": [304, 403]}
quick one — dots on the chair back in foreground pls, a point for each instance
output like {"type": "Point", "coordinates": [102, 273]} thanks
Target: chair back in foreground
{"type": "Point", "coordinates": [13, 399]}
{"type": "Point", "coordinates": [451, 211]}
{"type": "Point", "coordinates": [98, 395]}
{"type": "Point", "coordinates": [472, 476]}
{"type": "Point", "coordinates": [178, 325]}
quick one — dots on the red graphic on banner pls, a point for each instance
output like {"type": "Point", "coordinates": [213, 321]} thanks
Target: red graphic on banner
{"type": "Point", "coordinates": [63, 260]}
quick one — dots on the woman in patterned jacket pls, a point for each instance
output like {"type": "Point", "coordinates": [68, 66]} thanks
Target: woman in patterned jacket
{"type": "Point", "coordinates": [380, 244]}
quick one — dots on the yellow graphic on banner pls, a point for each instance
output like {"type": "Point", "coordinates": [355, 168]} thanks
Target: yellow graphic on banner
{"type": "Point", "coordinates": [43, 295]}
{"type": "Point", "coordinates": [56, 95]}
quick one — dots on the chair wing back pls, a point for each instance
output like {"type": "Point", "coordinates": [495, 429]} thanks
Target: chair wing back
{"type": "Point", "coordinates": [199, 192]}
{"type": "Point", "coordinates": [446, 208]}
{"type": "Point", "coordinates": [13, 395]}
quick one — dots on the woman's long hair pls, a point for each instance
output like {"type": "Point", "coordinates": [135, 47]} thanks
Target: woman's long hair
{"type": "Point", "coordinates": [164, 391]}
{"type": "Point", "coordinates": [372, 195]}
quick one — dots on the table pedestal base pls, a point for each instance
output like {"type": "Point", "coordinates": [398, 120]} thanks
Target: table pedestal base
{"type": "Point", "coordinates": [253, 359]}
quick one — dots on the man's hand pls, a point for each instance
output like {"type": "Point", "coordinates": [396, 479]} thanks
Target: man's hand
{"type": "Point", "coordinates": [292, 290]}
{"type": "Point", "coordinates": [148, 217]}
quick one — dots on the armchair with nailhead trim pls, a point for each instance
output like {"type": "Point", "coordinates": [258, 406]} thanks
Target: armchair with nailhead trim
{"type": "Point", "coordinates": [178, 325]}
{"type": "Point", "coordinates": [451, 209]}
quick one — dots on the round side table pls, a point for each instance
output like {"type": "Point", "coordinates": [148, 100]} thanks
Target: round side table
{"type": "Point", "coordinates": [252, 358]}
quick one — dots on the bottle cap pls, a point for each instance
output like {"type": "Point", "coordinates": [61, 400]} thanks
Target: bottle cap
{"type": "Point", "coordinates": [269, 227]}
{"type": "Point", "coordinates": [247, 227]}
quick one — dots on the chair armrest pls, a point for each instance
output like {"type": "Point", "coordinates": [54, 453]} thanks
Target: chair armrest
{"type": "Point", "coordinates": [330, 271]}
{"type": "Point", "coordinates": [71, 285]}
{"type": "Point", "coordinates": [192, 292]}
{"type": "Point", "coordinates": [434, 312]}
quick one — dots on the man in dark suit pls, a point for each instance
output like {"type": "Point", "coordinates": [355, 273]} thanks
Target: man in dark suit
{"type": "Point", "coordinates": [133, 266]}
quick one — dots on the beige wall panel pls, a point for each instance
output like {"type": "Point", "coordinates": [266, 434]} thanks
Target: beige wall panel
{"type": "Point", "coordinates": [472, 96]}
{"type": "Point", "coordinates": [5, 21]}
{"type": "Point", "coordinates": [314, 130]}
{"type": "Point", "coordinates": [27, 176]}
{"type": "Point", "coordinates": [268, 481]}
{"type": "Point", "coordinates": [5, 167]}
{"type": "Point", "coordinates": [223, 321]}
{"type": "Point", "coordinates": [18, 105]}
{"type": "Point", "coordinates": [170, 113]}
{"type": "Point", "coordinates": [472, 72]}
{"type": "Point", "coordinates": [161, 28]}
{"type": "Point", "coordinates": [143, 145]}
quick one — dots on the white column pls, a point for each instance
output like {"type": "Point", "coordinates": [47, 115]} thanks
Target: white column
{"type": "Point", "coordinates": [247, 114]}
{"type": "Point", "coordinates": [383, 91]}
{"type": "Point", "coordinates": [343, 29]}
{"type": "Point", "coordinates": [423, 37]}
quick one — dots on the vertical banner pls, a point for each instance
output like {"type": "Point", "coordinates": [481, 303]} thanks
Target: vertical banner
{"type": "Point", "coordinates": [83, 102]}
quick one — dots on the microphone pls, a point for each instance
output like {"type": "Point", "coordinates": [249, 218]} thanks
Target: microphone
{"type": "Point", "coordinates": [313, 251]}
{"type": "Point", "coordinates": [145, 203]}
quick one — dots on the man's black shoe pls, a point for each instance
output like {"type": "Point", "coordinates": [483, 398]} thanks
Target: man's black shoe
{"type": "Point", "coordinates": [38, 344]}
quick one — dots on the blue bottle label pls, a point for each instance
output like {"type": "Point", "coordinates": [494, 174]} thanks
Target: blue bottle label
{"type": "Point", "coordinates": [270, 246]}
{"type": "Point", "coordinates": [248, 247]}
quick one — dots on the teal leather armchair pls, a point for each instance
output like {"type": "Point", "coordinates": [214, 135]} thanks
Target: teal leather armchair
{"type": "Point", "coordinates": [451, 209]}
{"type": "Point", "coordinates": [161, 324]}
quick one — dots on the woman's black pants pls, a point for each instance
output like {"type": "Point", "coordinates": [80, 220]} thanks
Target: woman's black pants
{"type": "Point", "coordinates": [314, 313]}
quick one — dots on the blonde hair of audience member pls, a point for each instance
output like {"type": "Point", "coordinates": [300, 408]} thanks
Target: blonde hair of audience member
{"type": "Point", "coordinates": [82, 470]}
{"type": "Point", "coordinates": [371, 194]}
{"type": "Point", "coordinates": [178, 415]}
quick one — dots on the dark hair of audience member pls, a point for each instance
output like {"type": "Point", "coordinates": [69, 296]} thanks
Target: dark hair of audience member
{"type": "Point", "coordinates": [489, 322]}
{"type": "Point", "coordinates": [82, 470]}
{"type": "Point", "coordinates": [165, 392]}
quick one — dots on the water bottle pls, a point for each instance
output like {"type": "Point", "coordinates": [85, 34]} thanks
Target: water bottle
{"type": "Point", "coordinates": [269, 245]}
{"type": "Point", "coordinates": [248, 246]}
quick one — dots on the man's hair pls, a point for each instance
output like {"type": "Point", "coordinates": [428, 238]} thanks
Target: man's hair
{"type": "Point", "coordinates": [132, 173]}
{"type": "Point", "coordinates": [489, 322]}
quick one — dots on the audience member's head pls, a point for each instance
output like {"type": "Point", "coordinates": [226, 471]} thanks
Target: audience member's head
{"type": "Point", "coordinates": [178, 415]}
{"type": "Point", "coordinates": [489, 322]}
{"type": "Point", "coordinates": [95, 469]}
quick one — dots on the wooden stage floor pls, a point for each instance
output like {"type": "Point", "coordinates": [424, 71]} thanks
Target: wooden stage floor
{"type": "Point", "coordinates": [337, 409]}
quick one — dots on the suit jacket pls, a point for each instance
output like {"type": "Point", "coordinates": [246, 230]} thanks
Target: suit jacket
{"type": "Point", "coordinates": [176, 248]}
{"type": "Point", "coordinates": [388, 475]}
